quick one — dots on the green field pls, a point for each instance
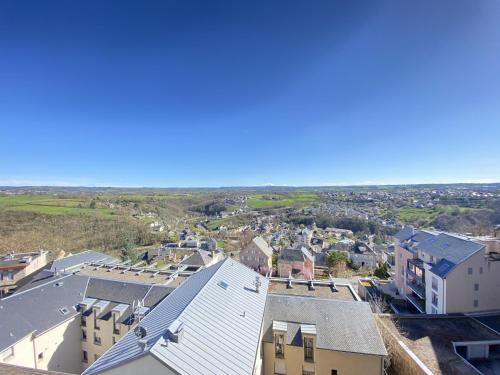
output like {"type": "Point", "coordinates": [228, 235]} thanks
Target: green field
{"type": "Point", "coordinates": [281, 200]}
{"type": "Point", "coordinates": [412, 214]}
{"type": "Point", "coordinates": [51, 205]}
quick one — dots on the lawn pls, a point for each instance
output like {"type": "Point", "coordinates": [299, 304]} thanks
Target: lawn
{"type": "Point", "coordinates": [412, 214]}
{"type": "Point", "coordinates": [281, 200]}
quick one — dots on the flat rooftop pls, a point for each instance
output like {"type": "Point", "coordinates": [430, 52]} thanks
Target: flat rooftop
{"type": "Point", "coordinates": [123, 275]}
{"type": "Point", "coordinates": [431, 339]}
{"type": "Point", "coordinates": [320, 290]}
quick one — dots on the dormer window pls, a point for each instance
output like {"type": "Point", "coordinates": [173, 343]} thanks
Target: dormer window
{"type": "Point", "coordinates": [308, 349]}
{"type": "Point", "coordinates": [279, 345]}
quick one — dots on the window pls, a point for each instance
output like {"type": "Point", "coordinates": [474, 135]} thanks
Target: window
{"type": "Point", "coordinates": [335, 372]}
{"type": "Point", "coordinates": [481, 270]}
{"type": "Point", "coordinates": [402, 271]}
{"type": "Point", "coordinates": [434, 283]}
{"type": "Point", "coordinates": [469, 270]}
{"type": "Point", "coordinates": [116, 327]}
{"type": "Point", "coordinates": [279, 345]}
{"type": "Point", "coordinates": [97, 339]}
{"type": "Point", "coordinates": [476, 303]}
{"type": "Point", "coordinates": [10, 275]}
{"type": "Point", "coordinates": [96, 324]}
{"type": "Point", "coordinates": [84, 322]}
{"type": "Point", "coordinates": [435, 299]}
{"type": "Point", "coordinates": [85, 356]}
{"type": "Point", "coordinates": [309, 349]}
{"type": "Point", "coordinates": [476, 287]}
{"type": "Point", "coordinates": [84, 335]}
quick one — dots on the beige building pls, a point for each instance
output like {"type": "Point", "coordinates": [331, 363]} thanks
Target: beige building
{"type": "Point", "coordinates": [315, 336]}
{"type": "Point", "coordinates": [257, 255]}
{"type": "Point", "coordinates": [16, 267]}
{"type": "Point", "coordinates": [66, 322]}
{"type": "Point", "coordinates": [109, 310]}
{"type": "Point", "coordinates": [441, 273]}
{"type": "Point", "coordinates": [211, 324]}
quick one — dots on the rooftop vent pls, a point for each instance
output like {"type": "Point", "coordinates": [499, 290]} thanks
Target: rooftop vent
{"type": "Point", "coordinates": [223, 284]}
{"type": "Point", "coordinates": [175, 332]}
{"type": "Point", "coordinates": [64, 310]}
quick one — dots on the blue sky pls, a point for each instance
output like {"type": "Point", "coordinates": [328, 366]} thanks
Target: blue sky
{"type": "Point", "coordinates": [210, 93]}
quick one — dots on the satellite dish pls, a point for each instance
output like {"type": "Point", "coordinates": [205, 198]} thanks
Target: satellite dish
{"type": "Point", "coordinates": [140, 332]}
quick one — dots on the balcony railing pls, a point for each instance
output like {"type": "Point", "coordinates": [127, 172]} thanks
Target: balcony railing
{"type": "Point", "coordinates": [417, 302]}
{"type": "Point", "coordinates": [417, 289]}
{"type": "Point", "coordinates": [412, 276]}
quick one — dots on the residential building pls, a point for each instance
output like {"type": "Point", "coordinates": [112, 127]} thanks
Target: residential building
{"type": "Point", "coordinates": [15, 269]}
{"type": "Point", "coordinates": [296, 262]}
{"type": "Point", "coordinates": [110, 309]}
{"type": "Point", "coordinates": [257, 255]}
{"type": "Point", "coordinates": [40, 327]}
{"type": "Point", "coordinates": [441, 273]}
{"type": "Point", "coordinates": [209, 325]}
{"type": "Point", "coordinates": [363, 256]}
{"type": "Point", "coordinates": [303, 237]}
{"type": "Point", "coordinates": [315, 336]}
{"type": "Point", "coordinates": [202, 258]}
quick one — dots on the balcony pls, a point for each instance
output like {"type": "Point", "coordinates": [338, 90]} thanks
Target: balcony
{"type": "Point", "coordinates": [413, 277]}
{"type": "Point", "coordinates": [417, 302]}
{"type": "Point", "coordinates": [418, 289]}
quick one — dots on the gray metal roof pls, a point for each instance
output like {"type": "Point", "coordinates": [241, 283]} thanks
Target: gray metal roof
{"type": "Point", "coordinates": [37, 309]}
{"type": "Point", "coordinates": [340, 325]}
{"type": "Point", "coordinates": [221, 325]}
{"type": "Point", "coordinates": [198, 258]}
{"type": "Point", "coordinates": [75, 260]}
{"type": "Point", "coordinates": [405, 233]}
{"type": "Point", "coordinates": [452, 248]}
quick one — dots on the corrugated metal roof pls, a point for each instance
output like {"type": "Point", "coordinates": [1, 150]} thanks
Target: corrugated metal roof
{"type": "Point", "coordinates": [341, 325]}
{"type": "Point", "coordinates": [221, 327]}
{"type": "Point", "coordinates": [75, 260]}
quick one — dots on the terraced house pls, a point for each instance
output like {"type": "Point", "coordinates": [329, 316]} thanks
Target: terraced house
{"type": "Point", "coordinates": [441, 273]}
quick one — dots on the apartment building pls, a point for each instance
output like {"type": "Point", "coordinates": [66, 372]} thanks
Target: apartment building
{"type": "Point", "coordinates": [211, 324]}
{"type": "Point", "coordinates": [441, 273]}
{"type": "Point", "coordinates": [110, 309]}
{"type": "Point", "coordinates": [316, 336]}
{"type": "Point", "coordinates": [15, 268]}
{"type": "Point", "coordinates": [40, 327]}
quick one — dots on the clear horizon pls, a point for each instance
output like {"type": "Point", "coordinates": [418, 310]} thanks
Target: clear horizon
{"type": "Point", "coordinates": [224, 94]}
